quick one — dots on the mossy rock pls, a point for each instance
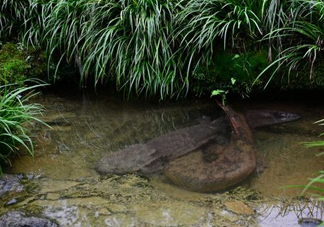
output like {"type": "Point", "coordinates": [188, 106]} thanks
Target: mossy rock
{"type": "Point", "coordinates": [13, 64]}
{"type": "Point", "coordinates": [18, 64]}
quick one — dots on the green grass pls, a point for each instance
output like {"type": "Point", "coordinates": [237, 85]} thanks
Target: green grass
{"type": "Point", "coordinates": [130, 42]}
{"type": "Point", "coordinates": [299, 40]}
{"type": "Point", "coordinates": [154, 47]}
{"type": "Point", "coordinates": [13, 13]}
{"type": "Point", "coordinates": [15, 113]}
{"type": "Point", "coordinates": [127, 42]}
{"type": "Point", "coordinates": [317, 190]}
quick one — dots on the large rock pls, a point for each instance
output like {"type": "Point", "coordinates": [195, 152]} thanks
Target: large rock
{"type": "Point", "coordinates": [19, 219]}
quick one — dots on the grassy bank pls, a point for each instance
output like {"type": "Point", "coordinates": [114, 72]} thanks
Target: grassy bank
{"type": "Point", "coordinates": [167, 48]}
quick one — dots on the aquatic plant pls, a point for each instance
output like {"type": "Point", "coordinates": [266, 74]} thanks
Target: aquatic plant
{"type": "Point", "coordinates": [15, 112]}
{"type": "Point", "coordinates": [319, 188]}
{"type": "Point", "coordinates": [319, 180]}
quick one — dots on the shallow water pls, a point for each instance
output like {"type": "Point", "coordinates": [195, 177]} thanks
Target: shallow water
{"type": "Point", "coordinates": [69, 190]}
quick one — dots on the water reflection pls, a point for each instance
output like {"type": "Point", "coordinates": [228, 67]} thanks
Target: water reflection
{"type": "Point", "coordinates": [302, 213]}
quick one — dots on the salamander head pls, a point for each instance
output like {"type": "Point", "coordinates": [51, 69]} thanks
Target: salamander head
{"type": "Point", "coordinates": [260, 118]}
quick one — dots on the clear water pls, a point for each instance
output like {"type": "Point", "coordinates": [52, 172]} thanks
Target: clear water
{"type": "Point", "coordinates": [70, 191]}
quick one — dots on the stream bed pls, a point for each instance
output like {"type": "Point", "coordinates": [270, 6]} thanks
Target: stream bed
{"type": "Point", "coordinates": [61, 184]}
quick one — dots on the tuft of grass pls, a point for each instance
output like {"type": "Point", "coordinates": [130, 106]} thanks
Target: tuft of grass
{"type": "Point", "coordinates": [206, 28]}
{"type": "Point", "coordinates": [127, 42]}
{"type": "Point", "coordinates": [204, 23]}
{"type": "Point", "coordinates": [154, 47]}
{"type": "Point", "coordinates": [299, 38]}
{"type": "Point", "coordinates": [13, 13]}
{"type": "Point", "coordinates": [15, 113]}
{"type": "Point", "coordinates": [130, 42]}
{"type": "Point", "coordinates": [317, 190]}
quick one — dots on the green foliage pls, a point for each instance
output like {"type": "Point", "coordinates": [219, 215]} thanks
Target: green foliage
{"type": "Point", "coordinates": [301, 39]}
{"type": "Point", "coordinates": [18, 16]}
{"type": "Point", "coordinates": [128, 42]}
{"type": "Point", "coordinates": [205, 25]}
{"type": "Point", "coordinates": [11, 15]}
{"type": "Point", "coordinates": [318, 189]}
{"type": "Point", "coordinates": [157, 47]}
{"type": "Point", "coordinates": [243, 68]}
{"type": "Point", "coordinates": [15, 112]}
{"type": "Point", "coordinates": [134, 46]}
{"type": "Point", "coordinates": [223, 93]}
{"type": "Point", "coordinates": [204, 22]}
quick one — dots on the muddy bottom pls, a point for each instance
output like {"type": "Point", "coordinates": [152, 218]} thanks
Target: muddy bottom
{"type": "Point", "coordinates": [66, 189]}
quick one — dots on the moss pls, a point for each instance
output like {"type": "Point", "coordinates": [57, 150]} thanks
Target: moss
{"type": "Point", "coordinates": [18, 64]}
{"type": "Point", "coordinates": [13, 64]}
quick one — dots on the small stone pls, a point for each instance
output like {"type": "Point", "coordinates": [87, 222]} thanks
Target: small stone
{"type": "Point", "coordinates": [30, 176]}
{"type": "Point", "coordinates": [229, 217]}
{"type": "Point", "coordinates": [11, 202]}
{"type": "Point", "coordinates": [310, 222]}
{"type": "Point", "coordinates": [238, 207]}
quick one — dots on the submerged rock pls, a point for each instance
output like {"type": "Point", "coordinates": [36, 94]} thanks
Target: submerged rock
{"type": "Point", "coordinates": [239, 207]}
{"type": "Point", "coordinates": [19, 219]}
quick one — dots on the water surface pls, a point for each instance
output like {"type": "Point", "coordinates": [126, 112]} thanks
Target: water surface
{"type": "Point", "coordinates": [84, 127]}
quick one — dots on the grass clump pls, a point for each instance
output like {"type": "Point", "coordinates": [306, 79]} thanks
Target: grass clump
{"type": "Point", "coordinates": [155, 47]}
{"type": "Point", "coordinates": [316, 184]}
{"type": "Point", "coordinates": [126, 42]}
{"type": "Point", "coordinates": [15, 113]}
